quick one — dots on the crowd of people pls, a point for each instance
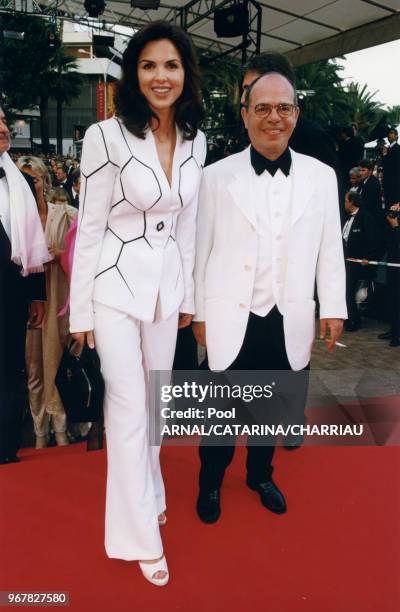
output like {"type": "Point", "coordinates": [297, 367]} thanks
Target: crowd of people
{"type": "Point", "coordinates": [370, 233]}
{"type": "Point", "coordinates": [147, 263]}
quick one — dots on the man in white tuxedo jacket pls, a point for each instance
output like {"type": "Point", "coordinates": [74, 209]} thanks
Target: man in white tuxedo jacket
{"type": "Point", "coordinates": [268, 228]}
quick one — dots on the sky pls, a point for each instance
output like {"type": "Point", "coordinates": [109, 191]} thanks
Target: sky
{"type": "Point", "coordinates": [378, 67]}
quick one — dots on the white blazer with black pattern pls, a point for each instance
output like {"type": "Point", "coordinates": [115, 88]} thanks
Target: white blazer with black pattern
{"type": "Point", "coordinates": [136, 232]}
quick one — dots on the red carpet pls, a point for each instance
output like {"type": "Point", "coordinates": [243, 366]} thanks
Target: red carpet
{"type": "Point", "coordinates": [336, 550]}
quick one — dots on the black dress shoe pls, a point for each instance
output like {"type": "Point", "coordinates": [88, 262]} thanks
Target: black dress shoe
{"type": "Point", "coordinates": [208, 506]}
{"type": "Point", "coordinates": [293, 442]}
{"type": "Point", "coordinates": [270, 495]}
{"type": "Point", "coordinates": [385, 336]}
{"type": "Point", "coordinates": [394, 342]}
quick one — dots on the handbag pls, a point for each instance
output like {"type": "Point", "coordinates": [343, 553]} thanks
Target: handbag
{"type": "Point", "coordinates": [80, 384]}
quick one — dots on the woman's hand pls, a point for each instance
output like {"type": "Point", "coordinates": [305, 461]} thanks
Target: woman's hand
{"type": "Point", "coordinates": [184, 320]}
{"type": "Point", "coordinates": [55, 252]}
{"type": "Point", "coordinates": [199, 332]}
{"type": "Point", "coordinates": [36, 314]}
{"type": "Point", "coordinates": [80, 338]}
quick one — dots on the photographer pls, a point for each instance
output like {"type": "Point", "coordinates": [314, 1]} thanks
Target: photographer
{"type": "Point", "coordinates": [370, 189]}
{"type": "Point", "coordinates": [393, 218]}
{"type": "Point", "coordinates": [391, 170]}
{"type": "Point", "coordinates": [360, 241]}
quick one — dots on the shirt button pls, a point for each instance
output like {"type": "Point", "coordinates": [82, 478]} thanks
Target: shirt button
{"type": "Point", "coordinates": [160, 226]}
{"type": "Point", "coordinates": [247, 268]}
{"type": "Point", "coordinates": [278, 237]}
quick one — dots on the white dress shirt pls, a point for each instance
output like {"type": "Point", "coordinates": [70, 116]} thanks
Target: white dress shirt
{"type": "Point", "coordinates": [347, 226]}
{"type": "Point", "coordinates": [5, 217]}
{"type": "Point", "coordinates": [272, 196]}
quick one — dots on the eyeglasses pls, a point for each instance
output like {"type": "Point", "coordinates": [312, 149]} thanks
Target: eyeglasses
{"type": "Point", "coordinates": [283, 109]}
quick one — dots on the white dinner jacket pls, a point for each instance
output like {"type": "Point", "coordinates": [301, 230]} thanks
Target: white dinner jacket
{"type": "Point", "coordinates": [136, 233]}
{"type": "Point", "coordinates": [226, 256]}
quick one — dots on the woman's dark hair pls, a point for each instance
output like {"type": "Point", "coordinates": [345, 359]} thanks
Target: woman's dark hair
{"type": "Point", "coordinates": [132, 106]}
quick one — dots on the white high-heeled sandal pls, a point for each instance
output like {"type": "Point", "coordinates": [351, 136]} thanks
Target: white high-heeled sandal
{"type": "Point", "coordinates": [150, 569]}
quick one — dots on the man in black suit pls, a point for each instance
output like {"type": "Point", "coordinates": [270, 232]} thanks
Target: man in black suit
{"type": "Point", "coordinates": [359, 242]}
{"type": "Point", "coordinates": [391, 170]}
{"type": "Point", "coordinates": [20, 299]}
{"type": "Point", "coordinates": [74, 188]}
{"type": "Point", "coordinates": [63, 180]}
{"type": "Point", "coordinates": [371, 195]}
{"type": "Point", "coordinates": [371, 192]}
{"type": "Point", "coordinates": [350, 151]}
{"type": "Point", "coordinates": [393, 276]}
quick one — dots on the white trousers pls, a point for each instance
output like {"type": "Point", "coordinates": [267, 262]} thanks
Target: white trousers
{"type": "Point", "coordinates": [128, 349]}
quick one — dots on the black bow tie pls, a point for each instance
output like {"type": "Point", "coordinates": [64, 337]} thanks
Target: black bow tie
{"type": "Point", "coordinates": [2, 173]}
{"type": "Point", "coordinates": [261, 163]}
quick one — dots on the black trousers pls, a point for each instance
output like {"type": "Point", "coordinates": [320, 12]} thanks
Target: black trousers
{"type": "Point", "coordinates": [186, 350]}
{"type": "Point", "coordinates": [263, 349]}
{"type": "Point", "coordinates": [12, 375]}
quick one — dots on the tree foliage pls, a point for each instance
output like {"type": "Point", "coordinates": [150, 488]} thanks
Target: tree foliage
{"type": "Point", "coordinates": [393, 115]}
{"type": "Point", "coordinates": [62, 83]}
{"type": "Point", "coordinates": [325, 99]}
{"type": "Point", "coordinates": [328, 100]}
{"type": "Point", "coordinates": [32, 72]}
{"type": "Point", "coordinates": [221, 91]}
{"type": "Point", "coordinates": [363, 110]}
{"type": "Point", "coordinates": [23, 61]}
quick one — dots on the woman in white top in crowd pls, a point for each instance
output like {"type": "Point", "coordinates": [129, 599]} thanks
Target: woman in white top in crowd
{"type": "Point", "coordinates": [132, 282]}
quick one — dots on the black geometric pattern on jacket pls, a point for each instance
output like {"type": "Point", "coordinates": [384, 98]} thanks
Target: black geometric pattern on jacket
{"type": "Point", "coordinates": [127, 201]}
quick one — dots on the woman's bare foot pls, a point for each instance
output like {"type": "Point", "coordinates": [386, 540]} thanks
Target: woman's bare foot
{"type": "Point", "coordinates": [162, 518]}
{"type": "Point", "coordinates": [157, 575]}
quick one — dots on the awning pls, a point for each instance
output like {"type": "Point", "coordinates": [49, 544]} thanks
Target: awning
{"type": "Point", "coordinates": [305, 30]}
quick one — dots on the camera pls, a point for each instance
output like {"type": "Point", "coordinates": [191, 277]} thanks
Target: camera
{"type": "Point", "coordinates": [393, 214]}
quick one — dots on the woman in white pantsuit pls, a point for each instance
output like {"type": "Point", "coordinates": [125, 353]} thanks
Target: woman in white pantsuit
{"type": "Point", "coordinates": [132, 276]}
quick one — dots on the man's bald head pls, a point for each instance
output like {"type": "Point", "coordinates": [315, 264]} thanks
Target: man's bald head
{"type": "Point", "coordinates": [270, 114]}
{"type": "Point", "coordinates": [271, 78]}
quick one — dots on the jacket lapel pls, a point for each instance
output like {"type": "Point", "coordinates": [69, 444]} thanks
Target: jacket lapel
{"type": "Point", "coordinates": [143, 150]}
{"type": "Point", "coordinates": [302, 182]}
{"type": "Point", "coordinates": [240, 187]}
